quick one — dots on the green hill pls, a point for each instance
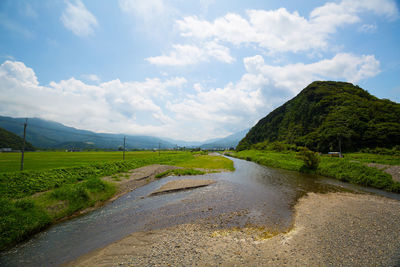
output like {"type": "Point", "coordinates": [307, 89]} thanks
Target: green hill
{"type": "Point", "coordinates": [13, 141]}
{"type": "Point", "coordinates": [326, 113]}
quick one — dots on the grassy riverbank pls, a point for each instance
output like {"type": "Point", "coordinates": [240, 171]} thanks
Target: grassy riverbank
{"type": "Point", "coordinates": [33, 199]}
{"type": "Point", "coordinates": [352, 168]}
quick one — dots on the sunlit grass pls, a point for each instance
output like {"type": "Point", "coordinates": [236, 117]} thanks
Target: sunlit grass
{"type": "Point", "coordinates": [51, 159]}
{"type": "Point", "coordinates": [373, 158]}
{"type": "Point", "coordinates": [179, 172]}
{"type": "Point", "coordinates": [208, 162]}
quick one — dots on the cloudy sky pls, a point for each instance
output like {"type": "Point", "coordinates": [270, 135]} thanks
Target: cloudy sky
{"type": "Point", "coordinates": [188, 70]}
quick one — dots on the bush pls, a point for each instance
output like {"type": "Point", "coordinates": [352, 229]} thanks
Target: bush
{"type": "Point", "coordinates": [20, 219]}
{"type": "Point", "coordinates": [311, 159]}
{"type": "Point", "coordinates": [278, 146]}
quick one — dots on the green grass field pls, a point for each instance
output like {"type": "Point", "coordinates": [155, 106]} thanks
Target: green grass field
{"type": "Point", "coordinates": [208, 162]}
{"type": "Point", "coordinates": [50, 160]}
{"type": "Point", "coordinates": [55, 185]}
{"type": "Point", "coordinates": [373, 158]}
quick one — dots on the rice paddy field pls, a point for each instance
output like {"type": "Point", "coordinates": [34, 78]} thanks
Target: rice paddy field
{"type": "Point", "coordinates": [50, 159]}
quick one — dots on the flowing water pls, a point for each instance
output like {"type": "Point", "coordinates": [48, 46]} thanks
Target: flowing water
{"type": "Point", "coordinates": [251, 195]}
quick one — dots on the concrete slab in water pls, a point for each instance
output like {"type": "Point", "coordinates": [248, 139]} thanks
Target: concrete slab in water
{"type": "Point", "coordinates": [183, 184]}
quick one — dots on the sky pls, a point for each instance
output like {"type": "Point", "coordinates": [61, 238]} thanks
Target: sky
{"type": "Point", "coordinates": [188, 70]}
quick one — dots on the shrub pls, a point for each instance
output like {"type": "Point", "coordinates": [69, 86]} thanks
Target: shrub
{"type": "Point", "coordinates": [278, 146]}
{"type": "Point", "coordinates": [311, 159]}
{"type": "Point", "coordinates": [20, 219]}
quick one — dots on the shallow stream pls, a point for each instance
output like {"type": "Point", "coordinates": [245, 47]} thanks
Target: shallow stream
{"type": "Point", "coordinates": [251, 195]}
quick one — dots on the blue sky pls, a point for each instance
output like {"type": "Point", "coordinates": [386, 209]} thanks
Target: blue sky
{"type": "Point", "coordinates": [189, 70]}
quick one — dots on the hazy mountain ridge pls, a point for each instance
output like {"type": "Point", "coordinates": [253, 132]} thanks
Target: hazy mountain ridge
{"type": "Point", "coordinates": [230, 141]}
{"type": "Point", "coordinates": [49, 134]}
{"type": "Point", "coordinates": [53, 135]}
{"type": "Point", "coordinates": [325, 113]}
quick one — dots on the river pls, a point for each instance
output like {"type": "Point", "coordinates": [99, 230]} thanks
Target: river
{"type": "Point", "coordinates": [251, 195]}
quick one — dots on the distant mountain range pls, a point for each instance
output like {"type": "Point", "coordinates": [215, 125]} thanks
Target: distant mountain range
{"type": "Point", "coordinates": [230, 141]}
{"type": "Point", "coordinates": [327, 115]}
{"type": "Point", "coordinates": [53, 135]}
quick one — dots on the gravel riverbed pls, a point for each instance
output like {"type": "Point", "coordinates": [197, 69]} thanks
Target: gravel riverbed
{"type": "Point", "coordinates": [329, 229]}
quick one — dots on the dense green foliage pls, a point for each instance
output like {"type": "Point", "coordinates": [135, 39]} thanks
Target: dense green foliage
{"type": "Point", "coordinates": [24, 217]}
{"type": "Point", "coordinates": [310, 158]}
{"type": "Point", "coordinates": [20, 219]}
{"type": "Point", "coordinates": [325, 114]}
{"type": "Point", "coordinates": [13, 141]}
{"type": "Point", "coordinates": [179, 172]}
{"type": "Point", "coordinates": [345, 169]}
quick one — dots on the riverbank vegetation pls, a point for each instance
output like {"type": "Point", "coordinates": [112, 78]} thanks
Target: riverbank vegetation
{"type": "Point", "coordinates": [179, 172]}
{"type": "Point", "coordinates": [38, 197]}
{"type": "Point", "coordinates": [352, 168]}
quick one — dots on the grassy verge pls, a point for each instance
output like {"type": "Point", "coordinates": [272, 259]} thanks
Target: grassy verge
{"type": "Point", "coordinates": [208, 162]}
{"type": "Point", "coordinates": [180, 172]}
{"type": "Point", "coordinates": [373, 158]}
{"type": "Point", "coordinates": [342, 169]}
{"type": "Point", "coordinates": [33, 199]}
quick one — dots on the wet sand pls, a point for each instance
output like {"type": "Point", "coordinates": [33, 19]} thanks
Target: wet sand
{"type": "Point", "coordinates": [329, 229]}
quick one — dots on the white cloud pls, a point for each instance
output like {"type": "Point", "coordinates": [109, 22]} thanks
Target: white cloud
{"type": "Point", "coordinates": [294, 77]}
{"type": "Point", "coordinates": [282, 31]}
{"type": "Point", "coordinates": [113, 106]}
{"type": "Point", "coordinates": [146, 10]}
{"type": "Point", "coordinates": [78, 19]}
{"type": "Point", "coordinates": [183, 55]}
{"type": "Point", "coordinates": [150, 107]}
{"type": "Point", "coordinates": [91, 77]}
{"type": "Point", "coordinates": [261, 89]}
{"type": "Point", "coordinates": [368, 28]}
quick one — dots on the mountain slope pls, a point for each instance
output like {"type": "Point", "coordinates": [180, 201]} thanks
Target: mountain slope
{"type": "Point", "coordinates": [226, 142]}
{"type": "Point", "coordinates": [326, 113]}
{"type": "Point", "coordinates": [13, 141]}
{"type": "Point", "coordinates": [49, 134]}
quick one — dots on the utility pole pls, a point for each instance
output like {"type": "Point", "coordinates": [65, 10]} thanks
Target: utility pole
{"type": "Point", "coordinates": [124, 148]}
{"type": "Point", "coordinates": [23, 145]}
{"type": "Point", "coordinates": [159, 145]}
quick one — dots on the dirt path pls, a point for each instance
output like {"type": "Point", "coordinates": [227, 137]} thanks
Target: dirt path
{"type": "Point", "coordinates": [330, 229]}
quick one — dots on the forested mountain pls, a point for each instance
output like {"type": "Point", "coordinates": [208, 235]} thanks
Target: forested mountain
{"type": "Point", "coordinates": [327, 113]}
{"type": "Point", "coordinates": [13, 141]}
